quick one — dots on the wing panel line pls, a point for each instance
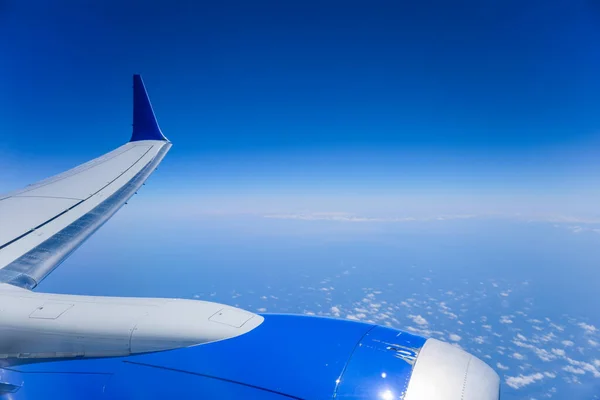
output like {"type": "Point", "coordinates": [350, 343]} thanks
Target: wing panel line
{"type": "Point", "coordinates": [66, 174]}
{"type": "Point", "coordinates": [40, 225]}
{"type": "Point", "coordinates": [73, 206]}
{"type": "Point", "coordinates": [212, 377]}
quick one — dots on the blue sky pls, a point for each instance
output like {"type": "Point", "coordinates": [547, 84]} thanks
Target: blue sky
{"type": "Point", "coordinates": [381, 107]}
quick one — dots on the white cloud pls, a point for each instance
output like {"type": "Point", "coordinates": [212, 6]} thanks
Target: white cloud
{"type": "Point", "coordinates": [505, 319]}
{"type": "Point", "coordinates": [585, 366]}
{"type": "Point", "coordinates": [479, 340]}
{"type": "Point", "coordinates": [559, 352]}
{"type": "Point", "coordinates": [446, 311]}
{"type": "Point", "coordinates": [547, 337]}
{"type": "Point", "coordinates": [501, 366]}
{"type": "Point", "coordinates": [587, 328]}
{"type": "Point", "coordinates": [347, 217]}
{"type": "Point", "coordinates": [454, 337]}
{"type": "Point", "coordinates": [419, 320]}
{"type": "Point", "coordinates": [517, 382]}
{"type": "Point", "coordinates": [518, 356]}
{"type": "Point", "coordinates": [575, 229]}
{"type": "Point", "coordinates": [567, 343]}
{"type": "Point", "coordinates": [572, 369]}
{"type": "Point", "coordinates": [262, 309]}
{"type": "Point", "coordinates": [418, 331]}
{"type": "Point", "coordinates": [335, 311]}
{"type": "Point", "coordinates": [543, 354]}
{"type": "Point", "coordinates": [557, 327]}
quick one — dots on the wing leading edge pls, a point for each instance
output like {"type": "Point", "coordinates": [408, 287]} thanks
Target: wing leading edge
{"type": "Point", "coordinates": [43, 223]}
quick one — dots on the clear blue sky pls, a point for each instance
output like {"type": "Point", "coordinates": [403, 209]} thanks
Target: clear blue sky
{"type": "Point", "coordinates": [280, 106]}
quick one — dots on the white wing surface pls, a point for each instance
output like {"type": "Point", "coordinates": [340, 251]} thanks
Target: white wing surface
{"type": "Point", "coordinates": [43, 223]}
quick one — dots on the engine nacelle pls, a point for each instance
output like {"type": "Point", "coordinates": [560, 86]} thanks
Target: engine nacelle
{"type": "Point", "coordinates": [312, 358]}
{"type": "Point", "coordinates": [286, 356]}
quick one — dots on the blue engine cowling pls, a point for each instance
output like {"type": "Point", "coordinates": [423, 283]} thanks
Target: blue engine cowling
{"type": "Point", "coordinates": [287, 356]}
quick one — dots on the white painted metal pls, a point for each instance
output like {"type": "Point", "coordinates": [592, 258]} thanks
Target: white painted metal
{"type": "Point", "coordinates": [40, 325]}
{"type": "Point", "coordinates": [14, 222]}
{"type": "Point", "coordinates": [83, 184]}
{"type": "Point", "coordinates": [445, 372]}
{"type": "Point", "coordinates": [79, 191]}
{"type": "Point", "coordinates": [231, 317]}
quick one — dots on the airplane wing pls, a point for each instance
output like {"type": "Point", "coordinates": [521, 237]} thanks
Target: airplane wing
{"type": "Point", "coordinates": [71, 346]}
{"type": "Point", "coordinates": [43, 223]}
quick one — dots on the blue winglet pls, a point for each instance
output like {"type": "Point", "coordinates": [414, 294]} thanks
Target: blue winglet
{"type": "Point", "coordinates": [145, 126]}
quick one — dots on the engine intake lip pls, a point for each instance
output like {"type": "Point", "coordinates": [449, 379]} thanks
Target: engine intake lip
{"type": "Point", "coordinates": [443, 371]}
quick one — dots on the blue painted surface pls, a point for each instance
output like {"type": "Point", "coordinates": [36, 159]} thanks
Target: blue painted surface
{"type": "Point", "coordinates": [58, 384]}
{"type": "Point", "coordinates": [381, 365]}
{"type": "Point", "coordinates": [287, 356]}
{"type": "Point", "coordinates": [145, 126]}
{"type": "Point", "coordinates": [136, 381]}
{"type": "Point", "coordinates": [296, 355]}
